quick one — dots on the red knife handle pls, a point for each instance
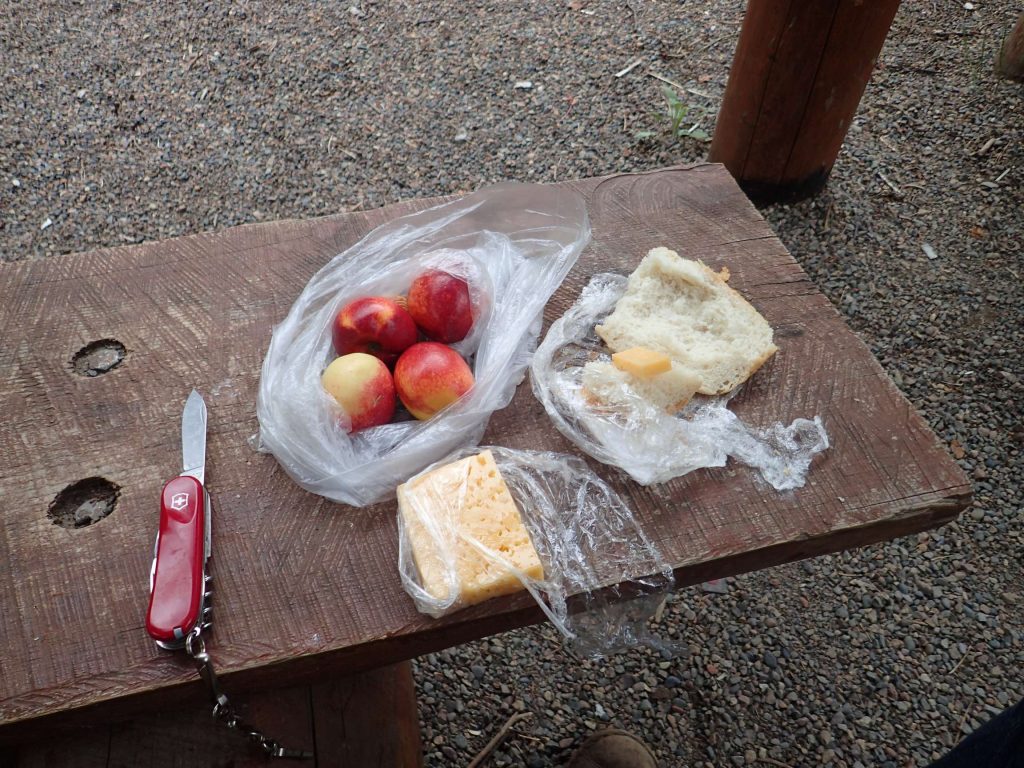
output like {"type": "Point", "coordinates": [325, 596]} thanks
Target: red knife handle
{"type": "Point", "coordinates": [176, 596]}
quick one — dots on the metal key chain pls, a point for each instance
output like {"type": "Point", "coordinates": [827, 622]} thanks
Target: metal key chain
{"type": "Point", "coordinates": [222, 708]}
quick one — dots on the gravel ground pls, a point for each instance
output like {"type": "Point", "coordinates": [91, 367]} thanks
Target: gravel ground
{"type": "Point", "coordinates": [130, 121]}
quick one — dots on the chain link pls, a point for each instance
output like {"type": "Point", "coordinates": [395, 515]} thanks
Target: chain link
{"type": "Point", "coordinates": [195, 647]}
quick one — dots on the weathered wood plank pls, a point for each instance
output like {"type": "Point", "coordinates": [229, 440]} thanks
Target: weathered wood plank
{"type": "Point", "coordinates": [304, 587]}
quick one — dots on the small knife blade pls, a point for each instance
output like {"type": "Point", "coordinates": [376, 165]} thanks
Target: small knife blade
{"type": "Point", "coordinates": [193, 437]}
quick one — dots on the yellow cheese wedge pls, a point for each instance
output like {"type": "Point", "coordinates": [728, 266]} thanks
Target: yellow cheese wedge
{"type": "Point", "coordinates": [642, 362]}
{"type": "Point", "coordinates": [446, 510]}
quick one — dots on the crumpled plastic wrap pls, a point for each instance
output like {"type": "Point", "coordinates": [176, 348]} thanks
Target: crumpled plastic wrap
{"type": "Point", "coordinates": [587, 540]}
{"type": "Point", "coordinates": [649, 444]}
{"type": "Point", "coordinates": [514, 243]}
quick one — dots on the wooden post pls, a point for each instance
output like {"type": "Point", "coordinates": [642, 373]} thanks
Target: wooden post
{"type": "Point", "coordinates": [799, 72]}
{"type": "Point", "coordinates": [1011, 56]}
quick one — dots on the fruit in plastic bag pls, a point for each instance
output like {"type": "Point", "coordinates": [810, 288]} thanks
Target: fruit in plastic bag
{"type": "Point", "coordinates": [363, 387]}
{"type": "Point", "coordinates": [439, 303]}
{"type": "Point", "coordinates": [376, 325]}
{"type": "Point", "coordinates": [513, 244]}
{"type": "Point", "coordinates": [429, 377]}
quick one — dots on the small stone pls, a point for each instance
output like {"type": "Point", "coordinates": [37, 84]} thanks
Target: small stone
{"type": "Point", "coordinates": [478, 671]}
{"type": "Point", "coordinates": [523, 85]}
{"type": "Point", "coordinates": [770, 661]}
{"type": "Point", "coordinates": [715, 587]}
{"type": "Point", "coordinates": [461, 741]}
{"type": "Point", "coordinates": [462, 136]}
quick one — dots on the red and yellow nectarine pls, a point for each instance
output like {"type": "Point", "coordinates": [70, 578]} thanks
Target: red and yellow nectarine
{"type": "Point", "coordinates": [363, 387]}
{"type": "Point", "coordinates": [439, 303]}
{"type": "Point", "coordinates": [376, 325]}
{"type": "Point", "coordinates": [429, 377]}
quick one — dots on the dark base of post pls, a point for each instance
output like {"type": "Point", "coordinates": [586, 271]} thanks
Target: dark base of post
{"type": "Point", "coordinates": [765, 193]}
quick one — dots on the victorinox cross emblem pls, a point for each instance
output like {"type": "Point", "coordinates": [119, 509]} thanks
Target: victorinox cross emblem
{"type": "Point", "coordinates": [179, 500]}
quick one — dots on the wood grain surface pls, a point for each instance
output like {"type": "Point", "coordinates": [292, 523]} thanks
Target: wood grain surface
{"type": "Point", "coordinates": [306, 588]}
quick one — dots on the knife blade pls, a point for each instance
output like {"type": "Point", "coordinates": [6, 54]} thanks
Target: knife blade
{"type": "Point", "coordinates": [178, 579]}
{"type": "Point", "coordinates": [193, 437]}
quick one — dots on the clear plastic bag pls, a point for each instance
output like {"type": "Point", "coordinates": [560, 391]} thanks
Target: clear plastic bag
{"type": "Point", "coordinates": [514, 242]}
{"type": "Point", "coordinates": [649, 444]}
{"type": "Point", "coordinates": [589, 544]}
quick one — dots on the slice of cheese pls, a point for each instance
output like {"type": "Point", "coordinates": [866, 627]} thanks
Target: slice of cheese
{"type": "Point", "coordinates": [450, 510]}
{"type": "Point", "coordinates": [642, 362]}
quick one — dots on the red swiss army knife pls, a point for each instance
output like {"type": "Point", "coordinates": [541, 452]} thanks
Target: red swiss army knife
{"type": "Point", "coordinates": [178, 578]}
{"type": "Point", "coordinates": [178, 598]}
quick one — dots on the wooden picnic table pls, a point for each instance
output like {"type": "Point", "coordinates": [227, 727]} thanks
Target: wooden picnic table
{"type": "Point", "coordinates": [306, 592]}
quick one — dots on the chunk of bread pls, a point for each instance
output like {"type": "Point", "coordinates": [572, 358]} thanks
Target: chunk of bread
{"type": "Point", "coordinates": [445, 511]}
{"type": "Point", "coordinates": [683, 309]}
{"type": "Point", "coordinates": [605, 384]}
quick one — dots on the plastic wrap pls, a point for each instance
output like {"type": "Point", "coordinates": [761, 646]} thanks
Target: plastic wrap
{"type": "Point", "coordinates": [653, 446]}
{"type": "Point", "coordinates": [586, 538]}
{"type": "Point", "coordinates": [514, 243]}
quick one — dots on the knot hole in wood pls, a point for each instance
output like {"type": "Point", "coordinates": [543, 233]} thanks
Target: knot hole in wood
{"type": "Point", "coordinates": [98, 357]}
{"type": "Point", "coordinates": [84, 502]}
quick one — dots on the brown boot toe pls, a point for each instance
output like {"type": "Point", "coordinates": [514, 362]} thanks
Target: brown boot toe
{"type": "Point", "coordinates": [613, 748]}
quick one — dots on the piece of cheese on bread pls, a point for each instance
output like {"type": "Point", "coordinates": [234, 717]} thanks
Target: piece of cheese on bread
{"type": "Point", "coordinates": [684, 310]}
{"type": "Point", "coordinates": [642, 362]}
{"type": "Point", "coordinates": [605, 384]}
{"type": "Point", "coordinates": [445, 511]}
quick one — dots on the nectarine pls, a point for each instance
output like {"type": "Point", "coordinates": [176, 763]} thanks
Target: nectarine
{"type": "Point", "coordinates": [363, 387]}
{"type": "Point", "coordinates": [376, 325]}
{"type": "Point", "coordinates": [439, 303]}
{"type": "Point", "coordinates": [429, 377]}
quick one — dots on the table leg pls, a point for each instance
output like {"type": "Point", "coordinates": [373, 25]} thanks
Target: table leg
{"type": "Point", "coordinates": [1010, 62]}
{"type": "Point", "coordinates": [798, 74]}
{"type": "Point", "coordinates": [366, 719]}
